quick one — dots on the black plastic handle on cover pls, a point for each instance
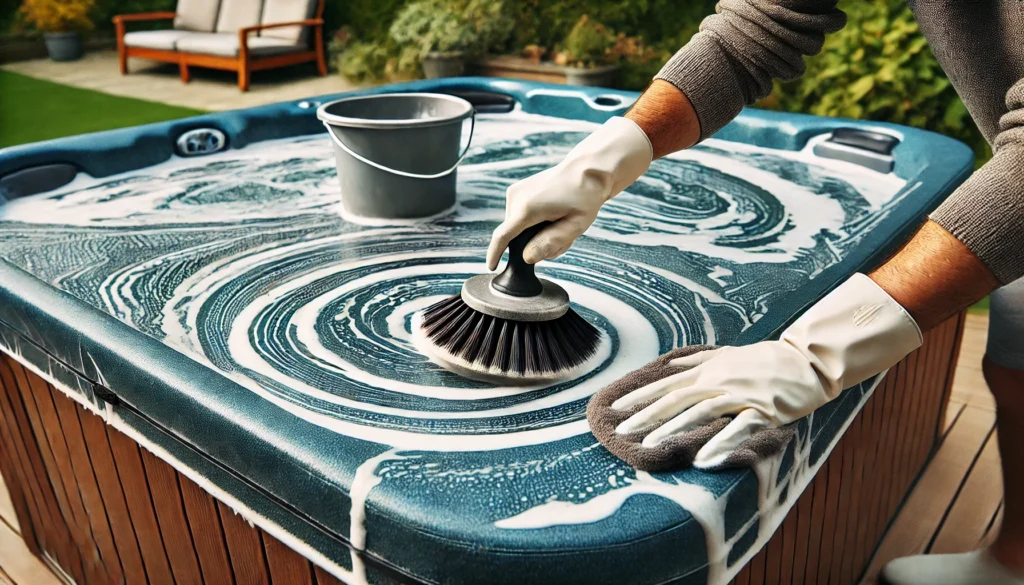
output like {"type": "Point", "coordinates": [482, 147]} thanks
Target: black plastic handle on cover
{"type": "Point", "coordinates": [484, 102]}
{"type": "Point", "coordinates": [865, 139]}
{"type": "Point", "coordinates": [518, 279]}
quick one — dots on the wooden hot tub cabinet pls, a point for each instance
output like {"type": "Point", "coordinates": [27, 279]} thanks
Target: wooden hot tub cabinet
{"type": "Point", "coordinates": [91, 500]}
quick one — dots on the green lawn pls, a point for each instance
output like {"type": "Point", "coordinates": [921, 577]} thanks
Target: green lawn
{"type": "Point", "coordinates": [32, 110]}
{"type": "Point", "coordinates": [980, 306]}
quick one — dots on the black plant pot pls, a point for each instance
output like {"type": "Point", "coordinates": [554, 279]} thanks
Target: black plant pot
{"type": "Point", "coordinates": [604, 76]}
{"type": "Point", "coordinates": [64, 46]}
{"type": "Point", "coordinates": [437, 65]}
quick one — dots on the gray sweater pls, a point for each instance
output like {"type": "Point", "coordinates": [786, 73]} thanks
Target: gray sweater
{"type": "Point", "coordinates": [739, 50]}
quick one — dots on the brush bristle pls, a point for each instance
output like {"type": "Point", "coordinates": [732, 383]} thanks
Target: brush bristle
{"type": "Point", "coordinates": [516, 349]}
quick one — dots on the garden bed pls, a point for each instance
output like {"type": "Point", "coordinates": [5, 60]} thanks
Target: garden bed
{"type": "Point", "coordinates": [25, 47]}
{"type": "Point", "coordinates": [523, 68]}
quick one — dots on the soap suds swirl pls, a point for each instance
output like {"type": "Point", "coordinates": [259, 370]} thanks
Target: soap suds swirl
{"type": "Point", "coordinates": [241, 261]}
{"type": "Point", "coordinates": [332, 339]}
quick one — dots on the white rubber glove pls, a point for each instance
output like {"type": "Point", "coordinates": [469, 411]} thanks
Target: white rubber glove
{"type": "Point", "coordinates": [571, 193]}
{"type": "Point", "coordinates": [853, 333]}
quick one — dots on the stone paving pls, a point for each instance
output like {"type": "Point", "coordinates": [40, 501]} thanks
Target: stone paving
{"type": "Point", "coordinates": [209, 89]}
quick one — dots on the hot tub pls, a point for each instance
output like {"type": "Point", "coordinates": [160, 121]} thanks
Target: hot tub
{"type": "Point", "coordinates": [194, 286]}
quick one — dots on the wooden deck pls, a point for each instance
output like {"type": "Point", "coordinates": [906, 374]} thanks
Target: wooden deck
{"type": "Point", "coordinates": [954, 507]}
{"type": "Point", "coordinates": [956, 504]}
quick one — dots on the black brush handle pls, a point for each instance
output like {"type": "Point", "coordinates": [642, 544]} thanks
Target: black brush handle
{"type": "Point", "coordinates": [518, 279]}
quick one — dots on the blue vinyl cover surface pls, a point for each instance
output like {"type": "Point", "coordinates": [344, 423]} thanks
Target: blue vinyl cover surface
{"type": "Point", "coordinates": [260, 341]}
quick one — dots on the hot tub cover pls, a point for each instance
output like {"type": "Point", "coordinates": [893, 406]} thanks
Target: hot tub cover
{"type": "Point", "coordinates": [221, 311]}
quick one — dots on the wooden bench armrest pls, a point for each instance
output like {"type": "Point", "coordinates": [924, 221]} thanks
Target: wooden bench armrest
{"type": "Point", "coordinates": [143, 16]}
{"type": "Point", "coordinates": [244, 32]}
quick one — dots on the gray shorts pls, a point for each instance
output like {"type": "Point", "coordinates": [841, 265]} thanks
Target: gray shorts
{"type": "Point", "coordinates": [1006, 326]}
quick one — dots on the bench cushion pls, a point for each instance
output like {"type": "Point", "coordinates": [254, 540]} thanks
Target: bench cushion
{"type": "Point", "coordinates": [155, 39]}
{"type": "Point", "coordinates": [226, 45]}
{"type": "Point", "coordinates": [196, 15]}
{"type": "Point", "coordinates": [236, 14]}
{"type": "Point", "coordinates": [287, 11]}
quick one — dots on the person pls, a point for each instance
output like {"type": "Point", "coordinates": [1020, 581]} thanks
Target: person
{"type": "Point", "coordinates": [969, 247]}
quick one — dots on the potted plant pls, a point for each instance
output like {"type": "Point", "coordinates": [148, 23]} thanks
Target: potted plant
{"type": "Point", "coordinates": [587, 54]}
{"type": "Point", "coordinates": [61, 22]}
{"type": "Point", "coordinates": [442, 34]}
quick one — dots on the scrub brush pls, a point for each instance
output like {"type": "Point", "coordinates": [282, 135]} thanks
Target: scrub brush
{"type": "Point", "coordinates": [511, 328]}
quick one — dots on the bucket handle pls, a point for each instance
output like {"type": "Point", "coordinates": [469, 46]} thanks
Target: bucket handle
{"type": "Point", "coordinates": [363, 159]}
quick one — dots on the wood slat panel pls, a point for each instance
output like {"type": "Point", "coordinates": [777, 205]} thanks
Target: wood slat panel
{"type": "Point", "coordinates": [325, 578]}
{"type": "Point", "coordinates": [170, 515]}
{"type": "Point", "coordinates": [743, 577]}
{"type": "Point", "coordinates": [882, 421]}
{"type": "Point", "coordinates": [803, 531]}
{"type": "Point", "coordinates": [871, 427]}
{"type": "Point", "coordinates": [94, 433]}
{"type": "Point", "coordinates": [757, 568]}
{"type": "Point", "coordinates": [849, 483]}
{"type": "Point", "coordinates": [857, 449]}
{"type": "Point", "coordinates": [773, 558]}
{"type": "Point", "coordinates": [15, 467]}
{"type": "Point", "coordinates": [54, 532]}
{"type": "Point", "coordinates": [976, 504]}
{"type": "Point", "coordinates": [245, 548]}
{"type": "Point", "coordinates": [285, 565]}
{"type": "Point", "coordinates": [819, 508]}
{"type": "Point", "coordinates": [832, 495]}
{"type": "Point", "coordinates": [88, 488]}
{"type": "Point", "coordinates": [137, 496]}
{"type": "Point", "coordinates": [207, 533]}
{"type": "Point", "coordinates": [897, 477]}
{"type": "Point", "coordinates": [52, 446]}
{"type": "Point", "coordinates": [906, 470]}
{"type": "Point", "coordinates": [788, 552]}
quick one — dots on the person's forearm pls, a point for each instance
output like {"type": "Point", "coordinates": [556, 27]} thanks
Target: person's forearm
{"type": "Point", "coordinates": [666, 117]}
{"type": "Point", "coordinates": [742, 48]}
{"type": "Point", "coordinates": [934, 276]}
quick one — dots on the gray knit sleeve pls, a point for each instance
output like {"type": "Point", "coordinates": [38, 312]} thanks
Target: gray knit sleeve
{"type": "Point", "coordinates": [987, 212]}
{"type": "Point", "coordinates": [739, 50]}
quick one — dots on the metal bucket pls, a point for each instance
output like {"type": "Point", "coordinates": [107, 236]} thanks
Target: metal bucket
{"type": "Point", "coordinates": [397, 154]}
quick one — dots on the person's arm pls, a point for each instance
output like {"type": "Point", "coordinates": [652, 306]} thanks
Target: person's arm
{"type": "Point", "coordinates": [972, 245]}
{"type": "Point", "coordinates": [934, 276]}
{"type": "Point", "coordinates": [667, 118]}
{"type": "Point", "coordinates": [741, 49]}
{"type": "Point", "coordinates": [730, 63]}
{"type": "Point", "coordinates": [986, 213]}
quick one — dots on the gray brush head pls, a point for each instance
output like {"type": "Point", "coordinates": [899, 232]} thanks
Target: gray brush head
{"type": "Point", "coordinates": [508, 328]}
{"type": "Point", "coordinates": [482, 346]}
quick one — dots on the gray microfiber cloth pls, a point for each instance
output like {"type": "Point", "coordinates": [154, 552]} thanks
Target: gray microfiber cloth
{"type": "Point", "coordinates": [677, 451]}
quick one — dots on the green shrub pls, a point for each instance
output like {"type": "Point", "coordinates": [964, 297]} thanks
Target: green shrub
{"type": "Point", "coordinates": [879, 67]}
{"type": "Point", "coordinates": [546, 22]}
{"type": "Point", "coordinates": [469, 26]}
{"type": "Point", "coordinates": [588, 44]}
{"type": "Point", "coordinates": [434, 25]}
{"type": "Point", "coordinates": [363, 61]}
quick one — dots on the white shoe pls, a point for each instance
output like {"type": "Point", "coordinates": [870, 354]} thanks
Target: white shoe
{"type": "Point", "coordinates": [973, 568]}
